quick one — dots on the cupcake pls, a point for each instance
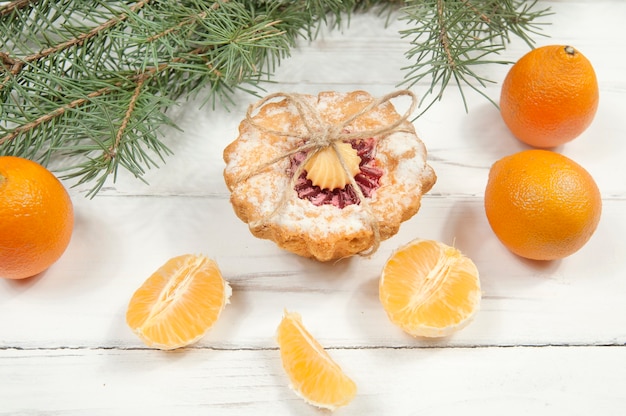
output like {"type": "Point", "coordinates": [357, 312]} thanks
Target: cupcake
{"type": "Point", "coordinates": [327, 176]}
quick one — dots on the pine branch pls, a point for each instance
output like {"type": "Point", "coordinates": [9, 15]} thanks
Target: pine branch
{"type": "Point", "coordinates": [18, 64]}
{"type": "Point", "coordinates": [451, 37]}
{"type": "Point", "coordinates": [90, 82]}
{"type": "Point", "coordinates": [14, 5]}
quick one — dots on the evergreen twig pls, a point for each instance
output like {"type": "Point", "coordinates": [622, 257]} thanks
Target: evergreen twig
{"type": "Point", "coordinates": [450, 38]}
{"type": "Point", "coordinates": [90, 82]}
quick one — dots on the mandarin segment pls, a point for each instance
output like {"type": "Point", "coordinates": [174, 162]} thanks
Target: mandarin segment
{"type": "Point", "coordinates": [429, 289]}
{"type": "Point", "coordinates": [313, 374]}
{"type": "Point", "coordinates": [178, 303]}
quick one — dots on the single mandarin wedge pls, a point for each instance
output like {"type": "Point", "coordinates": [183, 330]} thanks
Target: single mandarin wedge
{"type": "Point", "coordinates": [542, 205]}
{"type": "Point", "coordinates": [179, 303]}
{"type": "Point", "coordinates": [429, 289]}
{"type": "Point", "coordinates": [313, 374]}
{"type": "Point", "coordinates": [550, 96]}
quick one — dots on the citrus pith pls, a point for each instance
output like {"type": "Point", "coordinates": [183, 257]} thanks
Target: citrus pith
{"type": "Point", "coordinates": [429, 289]}
{"type": "Point", "coordinates": [313, 374]}
{"type": "Point", "coordinates": [179, 302]}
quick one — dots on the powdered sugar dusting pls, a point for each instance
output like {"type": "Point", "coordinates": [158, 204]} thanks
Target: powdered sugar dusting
{"type": "Point", "coordinates": [411, 156]}
{"type": "Point", "coordinates": [269, 195]}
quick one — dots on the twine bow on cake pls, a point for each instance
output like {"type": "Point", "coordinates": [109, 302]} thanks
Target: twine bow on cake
{"type": "Point", "coordinates": [319, 135]}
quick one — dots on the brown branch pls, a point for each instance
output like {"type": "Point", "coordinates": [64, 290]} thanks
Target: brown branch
{"type": "Point", "coordinates": [478, 13]}
{"type": "Point", "coordinates": [53, 114]}
{"type": "Point", "coordinates": [19, 63]}
{"type": "Point", "coordinates": [6, 61]}
{"type": "Point", "coordinates": [15, 5]}
{"type": "Point", "coordinates": [443, 34]}
{"type": "Point", "coordinates": [112, 151]}
{"type": "Point", "coordinates": [269, 35]}
{"type": "Point", "coordinates": [139, 79]}
{"type": "Point", "coordinates": [84, 36]}
{"type": "Point", "coordinates": [185, 22]}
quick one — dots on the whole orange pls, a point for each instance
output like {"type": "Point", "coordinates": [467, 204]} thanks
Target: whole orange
{"type": "Point", "coordinates": [541, 204]}
{"type": "Point", "coordinates": [550, 96]}
{"type": "Point", "coordinates": [36, 218]}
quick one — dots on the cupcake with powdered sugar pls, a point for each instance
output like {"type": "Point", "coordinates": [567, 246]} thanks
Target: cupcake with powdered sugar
{"type": "Point", "coordinates": [327, 176]}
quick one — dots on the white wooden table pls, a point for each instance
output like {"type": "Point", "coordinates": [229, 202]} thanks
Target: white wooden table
{"type": "Point", "coordinates": [550, 338]}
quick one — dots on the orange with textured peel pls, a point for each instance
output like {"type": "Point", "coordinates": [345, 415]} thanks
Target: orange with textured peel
{"type": "Point", "coordinates": [550, 96]}
{"type": "Point", "coordinates": [541, 204]}
{"type": "Point", "coordinates": [313, 374]}
{"type": "Point", "coordinates": [179, 303]}
{"type": "Point", "coordinates": [36, 218]}
{"type": "Point", "coordinates": [429, 289]}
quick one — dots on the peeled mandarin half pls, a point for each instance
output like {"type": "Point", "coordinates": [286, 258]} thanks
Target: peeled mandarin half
{"type": "Point", "coordinates": [429, 289]}
{"type": "Point", "coordinates": [179, 303]}
{"type": "Point", "coordinates": [313, 374]}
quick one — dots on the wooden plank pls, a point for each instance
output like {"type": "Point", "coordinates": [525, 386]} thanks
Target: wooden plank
{"type": "Point", "coordinates": [120, 241]}
{"type": "Point", "coordinates": [549, 338]}
{"type": "Point", "coordinates": [423, 381]}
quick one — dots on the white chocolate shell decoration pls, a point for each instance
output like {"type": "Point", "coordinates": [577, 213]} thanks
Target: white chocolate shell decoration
{"type": "Point", "coordinates": [324, 168]}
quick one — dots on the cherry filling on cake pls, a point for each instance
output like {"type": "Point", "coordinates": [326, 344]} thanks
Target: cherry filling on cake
{"type": "Point", "coordinates": [367, 178]}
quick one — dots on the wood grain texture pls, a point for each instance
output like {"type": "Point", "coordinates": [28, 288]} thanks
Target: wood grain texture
{"type": "Point", "coordinates": [425, 381]}
{"type": "Point", "coordinates": [550, 338]}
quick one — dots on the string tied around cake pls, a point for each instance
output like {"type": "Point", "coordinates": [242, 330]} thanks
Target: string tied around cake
{"type": "Point", "coordinates": [319, 135]}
